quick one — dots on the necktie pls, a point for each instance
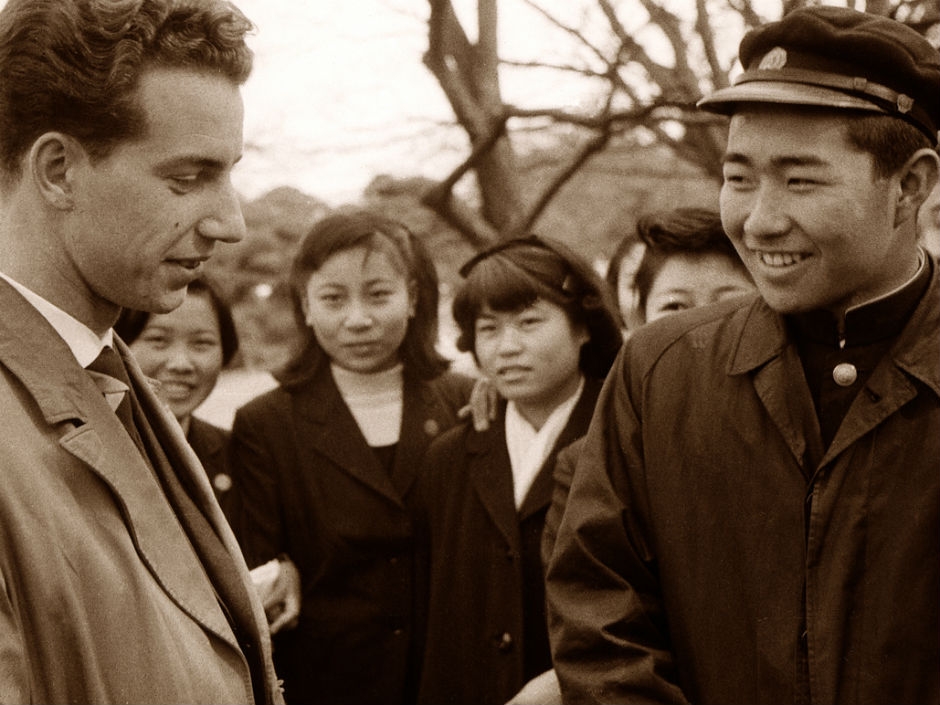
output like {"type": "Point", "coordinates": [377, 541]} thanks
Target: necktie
{"type": "Point", "coordinates": [109, 363]}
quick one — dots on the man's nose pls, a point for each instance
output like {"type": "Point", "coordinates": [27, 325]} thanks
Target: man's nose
{"type": "Point", "coordinates": [766, 217]}
{"type": "Point", "coordinates": [226, 223]}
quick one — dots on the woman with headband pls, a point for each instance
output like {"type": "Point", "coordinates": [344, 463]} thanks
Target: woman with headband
{"type": "Point", "coordinates": [544, 331]}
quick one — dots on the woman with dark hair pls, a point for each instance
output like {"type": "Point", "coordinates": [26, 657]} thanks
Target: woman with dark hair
{"type": "Point", "coordinates": [688, 262]}
{"type": "Point", "coordinates": [543, 330]}
{"type": "Point", "coordinates": [325, 463]}
{"type": "Point", "coordinates": [621, 272]}
{"type": "Point", "coordinates": [185, 350]}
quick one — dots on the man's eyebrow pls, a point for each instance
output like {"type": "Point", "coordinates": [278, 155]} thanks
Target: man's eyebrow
{"type": "Point", "coordinates": [199, 160]}
{"type": "Point", "coordinates": [779, 162]}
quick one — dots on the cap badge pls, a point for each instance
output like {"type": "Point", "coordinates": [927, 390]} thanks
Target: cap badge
{"type": "Point", "coordinates": [774, 59]}
{"type": "Point", "coordinates": [905, 103]}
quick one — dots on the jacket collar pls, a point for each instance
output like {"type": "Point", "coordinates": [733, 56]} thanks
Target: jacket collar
{"type": "Point", "coordinates": [325, 422]}
{"type": "Point", "coordinates": [881, 319]}
{"type": "Point", "coordinates": [761, 336]}
{"type": "Point", "coordinates": [55, 379]}
{"type": "Point", "coordinates": [491, 474]}
{"type": "Point", "coordinates": [763, 349]}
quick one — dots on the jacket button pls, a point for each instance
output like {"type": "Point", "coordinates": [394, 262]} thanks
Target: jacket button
{"type": "Point", "coordinates": [505, 643]}
{"type": "Point", "coordinates": [222, 482]}
{"type": "Point", "coordinates": [844, 374]}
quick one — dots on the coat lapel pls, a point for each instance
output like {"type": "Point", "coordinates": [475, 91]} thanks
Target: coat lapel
{"type": "Point", "coordinates": [540, 493]}
{"type": "Point", "coordinates": [778, 380]}
{"type": "Point", "coordinates": [421, 420]}
{"type": "Point", "coordinates": [324, 422]}
{"type": "Point", "coordinates": [74, 407]}
{"type": "Point", "coordinates": [232, 583]}
{"type": "Point", "coordinates": [491, 477]}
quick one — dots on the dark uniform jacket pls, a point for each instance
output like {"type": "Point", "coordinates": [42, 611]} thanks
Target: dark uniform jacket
{"type": "Point", "coordinates": [310, 486]}
{"type": "Point", "coordinates": [486, 634]}
{"type": "Point", "coordinates": [210, 444]}
{"type": "Point", "coordinates": [714, 551]}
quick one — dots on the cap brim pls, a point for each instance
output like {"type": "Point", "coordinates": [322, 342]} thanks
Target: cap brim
{"type": "Point", "coordinates": [724, 100]}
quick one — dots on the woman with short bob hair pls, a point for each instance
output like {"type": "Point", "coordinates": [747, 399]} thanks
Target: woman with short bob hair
{"type": "Point", "coordinates": [514, 274]}
{"type": "Point", "coordinates": [544, 331]}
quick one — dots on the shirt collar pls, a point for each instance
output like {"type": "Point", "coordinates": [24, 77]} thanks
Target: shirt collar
{"type": "Point", "coordinates": [866, 323]}
{"type": "Point", "coordinates": [84, 343]}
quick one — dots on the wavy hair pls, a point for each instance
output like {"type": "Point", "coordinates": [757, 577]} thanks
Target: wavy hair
{"type": "Point", "coordinates": [681, 231]}
{"type": "Point", "coordinates": [73, 66]}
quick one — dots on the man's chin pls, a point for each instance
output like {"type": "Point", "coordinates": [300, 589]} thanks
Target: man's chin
{"type": "Point", "coordinates": [164, 303]}
{"type": "Point", "coordinates": [786, 303]}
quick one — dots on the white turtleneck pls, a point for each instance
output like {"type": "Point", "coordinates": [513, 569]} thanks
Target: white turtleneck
{"type": "Point", "coordinates": [375, 400]}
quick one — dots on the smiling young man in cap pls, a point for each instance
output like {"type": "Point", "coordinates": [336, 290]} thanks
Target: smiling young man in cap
{"type": "Point", "coordinates": [756, 514]}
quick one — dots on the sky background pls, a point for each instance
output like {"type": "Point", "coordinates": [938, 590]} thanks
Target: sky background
{"type": "Point", "coordinates": [338, 94]}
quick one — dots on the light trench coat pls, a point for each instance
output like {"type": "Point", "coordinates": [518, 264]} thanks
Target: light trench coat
{"type": "Point", "coordinates": [102, 597]}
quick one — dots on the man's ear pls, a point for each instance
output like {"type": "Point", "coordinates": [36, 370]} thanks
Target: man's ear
{"type": "Point", "coordinates": [917, 178]}
{"type": "Point", "coordinates": [51, 165]}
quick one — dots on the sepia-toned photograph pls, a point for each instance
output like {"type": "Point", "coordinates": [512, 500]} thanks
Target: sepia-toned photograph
{"type": "Point", "coordinates": [470, 352]}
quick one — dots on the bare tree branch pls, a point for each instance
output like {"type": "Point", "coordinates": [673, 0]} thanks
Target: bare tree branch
{"type": "Point", "coordinates": [703, 27]}
{"type": "Point", "coordinates": [443, 189]}
{"type": "Point", "coordinates": [469, 76]}
{"type": "Point", "coordinates": [608, 62]}
{"type": "Point", "coordinates": [746, 10]}
{"type": "Point", "coordinates": [590, 73]}
{"type": "Point", "coordinates": [660, 76]}
{"type": "Point", "coordinates": [591, 147]}
{"type": "Point", "coordinates": [637, 116]}
{"type": "Point", "coordinates": [448, 51]}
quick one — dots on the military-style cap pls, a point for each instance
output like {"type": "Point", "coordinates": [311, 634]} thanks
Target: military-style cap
{"type": "Point", "coordinates": [840, 58]}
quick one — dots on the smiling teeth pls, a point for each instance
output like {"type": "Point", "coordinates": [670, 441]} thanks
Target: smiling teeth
{"type": "Point", "coordinates": [781, 259]}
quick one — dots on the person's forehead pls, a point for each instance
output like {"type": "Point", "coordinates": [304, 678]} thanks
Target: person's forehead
{"type": "Point", "coordinates": [192, 113]}
{"type": "Point", "coordinates": [196, 312]}
{"type": "Point", "coordinates": [795, 133]}
{"type": "Point", "coordinates": [784, 115]}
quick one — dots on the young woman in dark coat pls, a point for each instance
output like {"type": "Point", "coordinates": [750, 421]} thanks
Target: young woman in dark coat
{"type": "Point", "coordinates": [325, 463]}
{"type": "Point", "coordinates": [544, 331]}
{"type": "Point", "coordinates": [185, 351]}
